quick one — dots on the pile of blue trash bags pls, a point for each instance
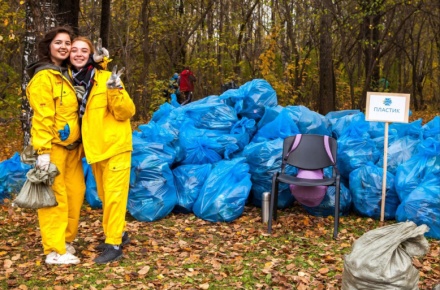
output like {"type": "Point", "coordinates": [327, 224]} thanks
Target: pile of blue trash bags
{"type": "Point", "coordinates": [216, 155]}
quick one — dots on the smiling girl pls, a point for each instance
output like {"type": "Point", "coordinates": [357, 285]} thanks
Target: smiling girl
{"type": "Point", "coordinates": [105, 112]}
{"type": "Point", "coordinates": [56, 139]}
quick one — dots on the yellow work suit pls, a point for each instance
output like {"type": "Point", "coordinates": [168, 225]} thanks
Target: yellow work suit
{"type": "Point", "coordinates": [107, 140]}
{"type": "Point", "coordinates": [54, 103]}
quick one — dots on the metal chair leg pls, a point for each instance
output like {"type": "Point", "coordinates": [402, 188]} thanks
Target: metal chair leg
{"type": "Point", "coordinates": [337, 205]}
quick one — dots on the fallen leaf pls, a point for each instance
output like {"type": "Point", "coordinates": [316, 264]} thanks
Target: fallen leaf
{"type": "Point", "coordinates": [144, 270]}
{"type": "Point", "coordinates": [204, 286]}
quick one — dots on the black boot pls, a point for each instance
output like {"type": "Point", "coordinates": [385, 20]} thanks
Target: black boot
{"type": "Point", "coordinates": [110, 254]}
{"type": "Point", "coordinates": [125, 240]}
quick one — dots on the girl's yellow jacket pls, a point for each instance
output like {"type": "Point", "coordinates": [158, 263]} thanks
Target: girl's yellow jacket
{"type": "Point", "coordinates": [53, 100]}
{"type": "Point", "coordinates": [106, 129]}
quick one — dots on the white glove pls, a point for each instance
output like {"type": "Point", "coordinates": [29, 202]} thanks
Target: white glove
{"type": "Point", "coordinates": [114, 82]}
{"type": "Point", "coordinates": [43, 161]}
{"type": "Point", "coordinates": [100, 52]}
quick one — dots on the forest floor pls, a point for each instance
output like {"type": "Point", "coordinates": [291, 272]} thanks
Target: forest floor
{"type": "Point", "coordinates": [184, 252]}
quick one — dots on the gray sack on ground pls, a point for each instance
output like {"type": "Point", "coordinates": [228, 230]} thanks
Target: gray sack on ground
{"type": "Point", "coordinates": [37, 191]}
{"type": "Point", "coordinates": [382, 258]}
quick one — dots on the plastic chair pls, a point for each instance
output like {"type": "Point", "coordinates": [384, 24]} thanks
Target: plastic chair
{"type": "Point", "coordinates": [307, 152]}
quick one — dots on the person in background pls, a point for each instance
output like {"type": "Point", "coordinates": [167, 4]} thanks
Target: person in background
{"type": "Point", "coordinates": [172, 87]}
{"type": "Point", "coordinates": [186, 86]}
{"type": "Point", "coordinates": [105, 112]}
{"type": "Point", "coordinates": [55, 136]}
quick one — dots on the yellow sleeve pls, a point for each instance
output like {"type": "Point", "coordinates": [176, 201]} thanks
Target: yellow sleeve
{"type": "Point", "coordinates": [40, 96]}
{"type": "Point", "coordinates": [120, 104]}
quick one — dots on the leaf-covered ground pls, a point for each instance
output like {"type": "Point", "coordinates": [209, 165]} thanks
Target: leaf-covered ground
{"type": "Point", "coordinates": [185, 252]}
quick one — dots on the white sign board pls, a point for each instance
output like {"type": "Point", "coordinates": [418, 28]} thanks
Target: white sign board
{"type": "Point", "coordinates": [387, 107]}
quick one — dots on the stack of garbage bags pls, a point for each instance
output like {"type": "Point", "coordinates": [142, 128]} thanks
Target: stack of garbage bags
{"type": "Point", "coordinates": [217, 154]}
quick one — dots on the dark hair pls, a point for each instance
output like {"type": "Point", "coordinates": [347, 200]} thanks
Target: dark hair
{"type": "Point", "coordinates": [43, 47]}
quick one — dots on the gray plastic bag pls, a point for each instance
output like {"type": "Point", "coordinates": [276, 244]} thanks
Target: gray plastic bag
{"type": "Point", "coordinates": [37, 191]}
{"type": "Point", "coordinates": [382, 258]}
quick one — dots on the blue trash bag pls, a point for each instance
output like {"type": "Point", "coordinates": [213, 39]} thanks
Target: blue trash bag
{"type": "Point", "coordinates": [310, 122]}
{"type": "Point", "coordinates": [92, 197]}
{"type": "Point", "coordinates": [174, 101]}
{"type": "Point", "coordinates": [12, 176]}
{"type": "Point", "coordinates": [399, 151]}
{"type": "Point", "coordinates": [224, 194]}
{"type": "Point", "coordinates": [412, 172]}
{"type": "Point", "coordinates": [243, 130]}
{"type": "Point", "coordinates": [153, 132]}
{"type": "Point", "coordinates": [413, 129]}
{"type": "Point", "coordinates": [189, 180]}
{"type": "Point", "coordinates": [226, 145]}
{"type": "Point", "coordinates": [145, 151]}
{"type": "Point", "coordinates": [200, 146]}
{"type": "Point", "coordinates": [152, 193]}
{"type": "Point", "coordinates": [211, 115]}
{"type": "Point", "coordinates": [282, 126]}
{"type": "Point", "coordinates": [252, 98]}
{"type": "Point", "coordinates": [327, 206]}
{"type": "Point", "coordinates": [432, 129]}
{"type": "Point", "coordinates": [356, 127]}
{"type": "Point", "coordinates": [366, 189]}
{"type": "Point", "coordinates": [270, 113]}
{"type": "Point", "coordinates": [153, 199]}
{"type": "Point", "coordinates": [379, 141]}
{"type": "Point", "coordinates": [162, 114]}
{"type": "Point", "coordinates": [422, 205]}
{"type": "Point", "coordinates": [354, 150]}
{"type": "Point", "coordinates": [338, 126]}
{"type": "Point", "coordinates": [334, 116]}
{"type": "Point", "coordinates": [377, 129]}
{"type": "Point", "coordinates": [264, 160]}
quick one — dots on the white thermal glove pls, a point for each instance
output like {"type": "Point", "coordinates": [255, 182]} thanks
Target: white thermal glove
{"type": "Point", "coordinates": [43, 161]}
{"type": "Point", "coordinates": [114, 82]}
{"type": "Point", "coordinates": [100, 52]}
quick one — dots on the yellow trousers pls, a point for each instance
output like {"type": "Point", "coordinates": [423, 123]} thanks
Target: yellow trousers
{"type": "Point", "coordinates": [59, 224]}
{"type": "Point", "coordinates": [112, 178]}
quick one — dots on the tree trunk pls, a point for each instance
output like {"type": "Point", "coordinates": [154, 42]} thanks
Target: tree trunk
{"type": "Point", "coordinates": [68, 11]}
{"type": "Point", "coordinates": [327, 90]}
{"type": "Point", "coordinates": [105, 22]}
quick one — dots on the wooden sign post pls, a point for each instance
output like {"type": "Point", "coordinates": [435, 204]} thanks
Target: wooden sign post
{"type": "Point", "coordinates": [386, 107]}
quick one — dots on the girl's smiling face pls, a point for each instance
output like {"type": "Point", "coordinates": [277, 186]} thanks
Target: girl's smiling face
{"type": "Point", "coordinates": [79, 54]}
{"type": "Point", "coordinates": [60, 48]}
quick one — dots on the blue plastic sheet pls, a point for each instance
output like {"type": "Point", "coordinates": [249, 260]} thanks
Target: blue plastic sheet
{"type": "Point", "coordinates": [189, 180]}
{"type": "Point", "coordinates": [422, 205]}
{"type": "Point", "coordinates": [366, 189]}
{"type": "Point", "coordinates": [12, 176]}
{"type": "Point", "coordinates": [224, 194]}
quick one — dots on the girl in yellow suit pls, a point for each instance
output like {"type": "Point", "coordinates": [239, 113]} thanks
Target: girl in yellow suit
{"type": "Point", "coordinates": [55, 137]}
{"type": "Point", "coordinates": [105, 113]}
